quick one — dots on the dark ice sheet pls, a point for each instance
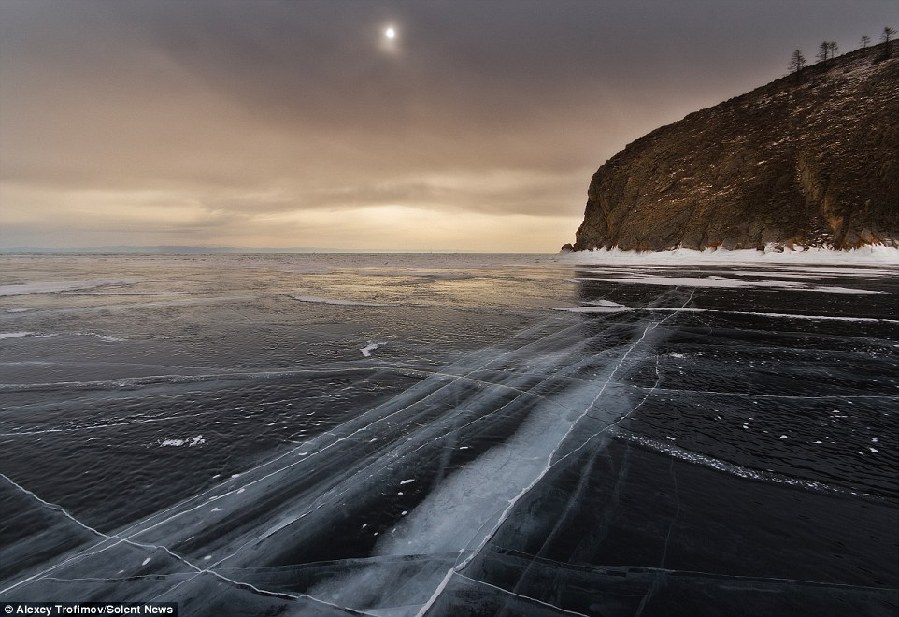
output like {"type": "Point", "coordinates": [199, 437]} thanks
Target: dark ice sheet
{"type": "Point", "coordinates": [207, 430]}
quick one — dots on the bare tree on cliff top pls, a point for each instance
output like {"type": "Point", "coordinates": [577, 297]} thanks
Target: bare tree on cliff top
{"type": "Point", "coordinates": [866, 40]}
{"type": "Point", "coordinates": [823, 48]}
{"type": "Point", "coordinates": [832, 48]}
{"type": "Point", "coordinates": [886, 37]}
{"type": "Point", "coordinates": [797, 61]}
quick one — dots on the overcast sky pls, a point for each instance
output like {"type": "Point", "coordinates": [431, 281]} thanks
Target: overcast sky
{"type": "Point", "coordinates": [302, 124]}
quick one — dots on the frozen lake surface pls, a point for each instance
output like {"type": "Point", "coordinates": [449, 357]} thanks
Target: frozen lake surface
{"type": "Point", "coordinates": [401, 435]}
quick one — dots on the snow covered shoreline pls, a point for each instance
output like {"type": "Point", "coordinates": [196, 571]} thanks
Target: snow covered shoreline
{"type": "Point", "coordinates": [874, 255]}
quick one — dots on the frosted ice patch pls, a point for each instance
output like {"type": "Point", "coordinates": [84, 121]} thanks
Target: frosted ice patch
{"type": "Point", "coordinates": [320, 300]}
{"type": "Point", "coordinates": [18, 310]}
{"type": "Point", "coordinates": [145, 561]}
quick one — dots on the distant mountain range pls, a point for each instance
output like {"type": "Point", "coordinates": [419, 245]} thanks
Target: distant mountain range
{"type": "Point", "coordinates": [810, 159]}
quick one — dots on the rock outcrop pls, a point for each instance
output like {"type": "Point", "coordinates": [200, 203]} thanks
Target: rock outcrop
{"type": "Point", "coordinates": [810, 159]}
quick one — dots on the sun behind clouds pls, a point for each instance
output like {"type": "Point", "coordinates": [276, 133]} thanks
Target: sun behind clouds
{"type": "Point", "coordinates": [389, 39]}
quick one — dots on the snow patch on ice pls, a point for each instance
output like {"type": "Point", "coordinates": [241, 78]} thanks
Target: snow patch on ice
{"type": "Point", "coordinates": [843, 290]}
{"type": "Point", "coordinates": [103, 337]}
{"type": "Point", "coordinates": [864, 255]}
{"type": "Point", "coordinates": [372, 345]}
{"type": "Point", "coordinates": [18, 310]}
{"type": "Point", "coordinates": [189, 441]}
{"type": "Point", "coordinates": [16, 334]}
{"type": "Point", "coordinates": [811, 317]}
{"type": "Point", "coordinates": [776, 315]}
{"type": "Point", "coordinates": [707, 461]}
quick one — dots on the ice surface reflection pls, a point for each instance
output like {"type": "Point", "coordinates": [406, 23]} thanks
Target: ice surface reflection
{"type": "Point", "coordinates": [205, 430]}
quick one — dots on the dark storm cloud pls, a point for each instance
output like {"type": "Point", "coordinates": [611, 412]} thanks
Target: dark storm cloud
{"type": "Point", "coordinates": [255, 108]}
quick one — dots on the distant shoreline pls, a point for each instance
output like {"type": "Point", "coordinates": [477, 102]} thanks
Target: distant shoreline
{"type": "Point", "coordinates": [868, 255]}
{"type": "Point", "coordinates": [879, 255]}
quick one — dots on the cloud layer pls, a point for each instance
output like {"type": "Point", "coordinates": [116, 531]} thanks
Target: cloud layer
{"type": "Point", "coordinates": [285, 124]}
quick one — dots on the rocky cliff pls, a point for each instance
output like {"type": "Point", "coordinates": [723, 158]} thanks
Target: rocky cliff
{"type": "Point", "coordinates": [810, 159]}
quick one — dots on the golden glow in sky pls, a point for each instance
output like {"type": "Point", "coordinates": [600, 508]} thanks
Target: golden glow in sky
{"type": "Point", "coordinates": [346, 125]}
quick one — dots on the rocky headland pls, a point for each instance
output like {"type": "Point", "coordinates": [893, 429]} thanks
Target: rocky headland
{"type": "Point", "coordinates": [810, 160]}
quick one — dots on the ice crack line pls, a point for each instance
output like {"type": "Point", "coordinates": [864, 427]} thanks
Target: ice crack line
{"type": "Point", "coordinates": [550, 463]}
{"type": "Point", "coordinates": [522, 596]}
{"type": "Point", "coordinates": [119, 540]}
{"type": "Point", "coordinates": [676, 514]}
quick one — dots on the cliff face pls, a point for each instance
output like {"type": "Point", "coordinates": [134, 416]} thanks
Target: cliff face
{"type": "Point", "coordinates": [810, 159]}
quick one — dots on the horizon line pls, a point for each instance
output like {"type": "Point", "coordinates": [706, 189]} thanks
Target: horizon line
{"type": "Point", "coordinates": [198, 250]}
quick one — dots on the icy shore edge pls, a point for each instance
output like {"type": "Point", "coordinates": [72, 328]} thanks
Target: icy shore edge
{"type": "Point", "coordinates": [876, 255]}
